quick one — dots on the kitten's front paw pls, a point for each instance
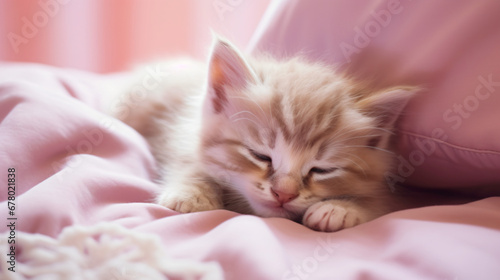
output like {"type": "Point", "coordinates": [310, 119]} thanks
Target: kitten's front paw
{"type": "Point", "coordinates": [331, 216]}
{"type": "Point", "coordinates": [189, 201]}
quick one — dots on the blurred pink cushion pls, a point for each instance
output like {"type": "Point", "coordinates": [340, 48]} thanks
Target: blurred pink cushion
{"type": "Point", "coordinates": [449, 136]}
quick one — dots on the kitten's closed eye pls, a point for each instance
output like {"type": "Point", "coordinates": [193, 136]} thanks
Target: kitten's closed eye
{"type": "Point", "coordinates": [318, 170]}
{"type": "Point", "coordinates": [260, 157]}
{"type": "Point", "coordinates": [320, 174]}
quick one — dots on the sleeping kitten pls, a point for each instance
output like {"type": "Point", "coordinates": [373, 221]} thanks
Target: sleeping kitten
{"type": "Point", "coordinates": [288, 139]}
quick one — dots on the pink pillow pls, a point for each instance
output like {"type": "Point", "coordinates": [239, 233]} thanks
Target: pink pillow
{"type": "Point", "coordinates": [449, 136]}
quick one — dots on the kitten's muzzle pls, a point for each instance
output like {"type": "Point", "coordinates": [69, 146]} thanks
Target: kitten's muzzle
{"type": "Point", "coordinates": [285, 189]}
{"type": "Point", "coordinates": [283, 197]}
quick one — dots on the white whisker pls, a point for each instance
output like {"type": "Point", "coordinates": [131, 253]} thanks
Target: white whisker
{"type": "Point", "coordinates": [360, 128]}
{"type": "Point", "coordinates": [351, 155]}
{"type": "Point", "coordinates": [362, 136]}
{"type": "Point", "coordinates": [241, 112]}
{"type": "Point", "coordinates": [239, 119]}
{"type": "Point", "coordinates": [252, 100]}
{"type": "Point", "coordinates": [355, 163]}
{"type": "Point", "coordinates": [369, 147]}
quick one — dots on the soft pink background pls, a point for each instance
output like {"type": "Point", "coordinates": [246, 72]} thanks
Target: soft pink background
{"type": "Point", "coordinates": [110, 35]}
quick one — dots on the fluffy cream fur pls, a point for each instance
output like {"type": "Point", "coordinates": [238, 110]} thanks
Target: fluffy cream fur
{"type": "Point", "coordinates": [289, 138]}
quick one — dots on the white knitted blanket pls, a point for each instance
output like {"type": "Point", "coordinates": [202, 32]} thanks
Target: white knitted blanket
{"type": "Point", "coordinates": [104, 251]}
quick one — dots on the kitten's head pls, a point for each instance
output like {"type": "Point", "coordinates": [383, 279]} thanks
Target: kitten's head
{"type": "Point", "coordinates": [285, 135]}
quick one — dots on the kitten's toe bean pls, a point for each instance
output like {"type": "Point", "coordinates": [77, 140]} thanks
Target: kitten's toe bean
{"type": "Point", "coordinates": [328, 216]}
{"type": "Point", "coordinates": [189, 202]}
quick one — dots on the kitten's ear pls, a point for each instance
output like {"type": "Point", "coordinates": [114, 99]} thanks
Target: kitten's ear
{"type": "Point", "coordinates": [227, 69]}
{"type": "Point", "coordinates": [386, 106]}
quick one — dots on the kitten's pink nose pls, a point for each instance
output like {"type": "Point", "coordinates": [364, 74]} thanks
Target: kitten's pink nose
{"type": "Point", "coordinates": [283, 197]}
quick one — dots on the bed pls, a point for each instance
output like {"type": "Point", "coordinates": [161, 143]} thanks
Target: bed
{"type": "Point", "coordinates": [79, 185]}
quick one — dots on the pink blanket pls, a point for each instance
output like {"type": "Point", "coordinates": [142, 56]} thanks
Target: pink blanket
{"type": "Point", "coordinates": [73, 165]}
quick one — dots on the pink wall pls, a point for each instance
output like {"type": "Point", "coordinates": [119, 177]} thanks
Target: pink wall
{"type": "Point", "coordinates": [109, 35]}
